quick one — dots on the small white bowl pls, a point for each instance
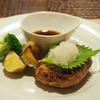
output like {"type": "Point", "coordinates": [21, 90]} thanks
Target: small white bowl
{"type": "Point", "coordinates": [63, 23]}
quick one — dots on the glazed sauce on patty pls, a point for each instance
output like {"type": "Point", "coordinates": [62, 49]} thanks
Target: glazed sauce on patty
{"type": "Point", "coordinates": [48, 32]}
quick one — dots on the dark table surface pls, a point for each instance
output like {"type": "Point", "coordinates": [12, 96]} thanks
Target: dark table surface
{"type": "Point", "coordinates": [89, 9]}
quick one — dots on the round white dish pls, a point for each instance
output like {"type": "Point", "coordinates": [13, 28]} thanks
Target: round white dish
{"type": "Point", "coordinates": [23, 86]}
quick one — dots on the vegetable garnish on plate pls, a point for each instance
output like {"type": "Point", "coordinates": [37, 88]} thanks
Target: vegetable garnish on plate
{"type": "Point", "coordinates": [9, 43]}
{"type": "Point", "coordinates": [13, 63]}
{"type": "Point", "coordinates": [84, 54]}
{"type": "Point", "coordinates": [16, 57]}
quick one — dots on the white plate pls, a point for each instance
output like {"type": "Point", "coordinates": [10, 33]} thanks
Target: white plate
{"type": "Point", "coordinates": [23, 86]}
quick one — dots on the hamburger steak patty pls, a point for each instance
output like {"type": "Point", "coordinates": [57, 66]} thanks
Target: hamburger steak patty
{"type": "Point", "coordinates": [57, 77]}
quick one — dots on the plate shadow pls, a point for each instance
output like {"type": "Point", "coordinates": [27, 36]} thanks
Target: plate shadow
{"type": "Point", "coordinates": [28, 71]}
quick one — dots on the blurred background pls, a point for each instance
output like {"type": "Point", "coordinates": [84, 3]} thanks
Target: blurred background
{"type": "Point", "coordinates": [88, 9]}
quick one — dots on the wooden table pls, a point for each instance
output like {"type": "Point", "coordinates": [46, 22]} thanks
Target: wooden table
{"type": "Point", "coordinates": [97, 21]}
{"type": "Point", "coordinates": [88, 9]}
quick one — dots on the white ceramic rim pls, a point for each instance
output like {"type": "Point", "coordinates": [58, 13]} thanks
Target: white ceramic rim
{"type": "Point", "coordinates": [41, 12]}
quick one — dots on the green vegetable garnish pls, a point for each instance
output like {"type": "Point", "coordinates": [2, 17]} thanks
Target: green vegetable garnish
{"type": "Point", "coordinates": [8, 43]}
{"type": "Point", "coordinates": [84, 54]}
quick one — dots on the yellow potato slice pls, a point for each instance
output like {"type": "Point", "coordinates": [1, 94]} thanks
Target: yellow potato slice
{"type": "Point", "coordinates": [13, 63]}
{"type": "Point", "coordinates": [28, 57]}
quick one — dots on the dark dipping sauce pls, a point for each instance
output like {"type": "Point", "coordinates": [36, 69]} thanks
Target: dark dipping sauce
{"type": "Point", "coordinates": [48, 32]}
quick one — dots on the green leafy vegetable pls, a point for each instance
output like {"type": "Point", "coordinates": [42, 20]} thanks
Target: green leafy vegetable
{"type": "Point", "coordinates": [8, 43]}
{"type": "Point", "coordinates": [84, 54]}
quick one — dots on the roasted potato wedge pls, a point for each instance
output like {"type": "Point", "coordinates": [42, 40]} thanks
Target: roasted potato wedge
{"type": "Point", "coordinates": [13, 63]}
{"type": "Point", "coordinates": [34, 46]}
{"type": "Point", "coordinates": [28, 57]}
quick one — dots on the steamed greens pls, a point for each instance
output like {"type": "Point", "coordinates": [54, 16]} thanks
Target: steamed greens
{"type": "Point", "coordinates": [9, 43]}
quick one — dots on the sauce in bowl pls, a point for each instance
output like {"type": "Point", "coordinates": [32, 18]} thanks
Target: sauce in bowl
{"type": "Point", "coordinates": [47, 32]}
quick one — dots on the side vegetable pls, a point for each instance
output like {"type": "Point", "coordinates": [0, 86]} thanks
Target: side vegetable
{"type": "Point", "coordinates": [35, 48]}
{"type": "Point", "coordinates": [28, 57]}
{"type": "Point", "coordinates": [16, 57]}
{"type": "Point", "coordinates": [13, 63]}
{"type": "Point", "coordinates": [9, 43]}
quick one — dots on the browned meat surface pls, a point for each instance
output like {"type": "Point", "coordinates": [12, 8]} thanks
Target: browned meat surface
{"type": "Point", "coordinates": [57, 77]}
